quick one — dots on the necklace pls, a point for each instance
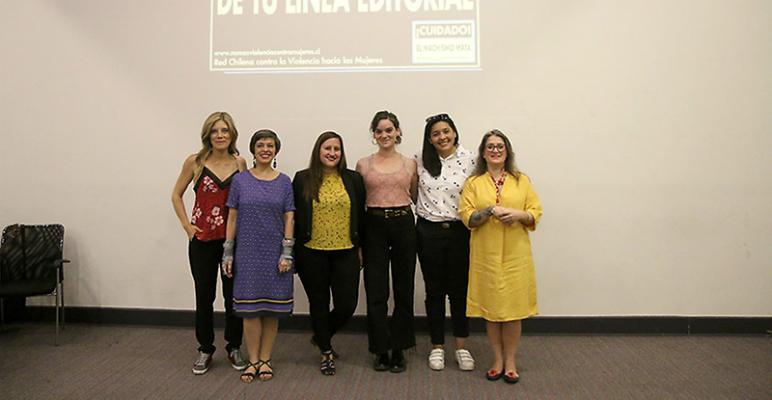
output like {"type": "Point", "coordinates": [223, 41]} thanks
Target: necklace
{"type": "Point", "coordinates": [498, 183]}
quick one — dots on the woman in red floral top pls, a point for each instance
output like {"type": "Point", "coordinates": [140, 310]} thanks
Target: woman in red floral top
{"type": "Point", "coordinates": [211, 170]}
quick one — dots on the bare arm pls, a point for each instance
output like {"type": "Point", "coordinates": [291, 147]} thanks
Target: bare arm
{"type": "Point", "coordinates": [414, 181]}
{"type": "Point", "coordinates": [242, 163]}
{"type": "Point", "coordinates": [289, 224]}
{"type": "Point", "coordinates": [186, 176]}
{"type": "Point", "coordinates": [230, 227]}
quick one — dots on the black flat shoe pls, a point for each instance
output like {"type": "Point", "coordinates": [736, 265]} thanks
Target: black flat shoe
{"type": "Point", "coordinates": [511, 377]}
{"type": "Point", "coordinates": [398, 363]}
{"type": "Point", "coordinates": [382, 362]}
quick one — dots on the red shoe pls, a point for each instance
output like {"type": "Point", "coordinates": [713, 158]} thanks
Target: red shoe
{"type": "Point", "coordinates": [511, 377]}
{"type": "Point", "coordinates": [493, 375]}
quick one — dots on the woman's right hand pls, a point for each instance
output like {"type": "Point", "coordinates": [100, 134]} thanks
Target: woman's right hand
{"type": "Point", "coordinates": [191, 230]}
{"type": "Point", "coordinates": [227, 268]}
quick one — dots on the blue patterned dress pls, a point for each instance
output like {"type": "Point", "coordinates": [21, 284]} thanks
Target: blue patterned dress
{"type": "Point", "coordinates": [259, 289]}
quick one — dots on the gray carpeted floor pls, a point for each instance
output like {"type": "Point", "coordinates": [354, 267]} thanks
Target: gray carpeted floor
{"type": "Point", "coordinates": [129, 362]}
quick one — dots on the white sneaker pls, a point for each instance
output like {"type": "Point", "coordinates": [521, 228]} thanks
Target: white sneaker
{"type": "Point", "coordinates": [437, 359]}
{"type": "Point", "coordinates": [464, 360]}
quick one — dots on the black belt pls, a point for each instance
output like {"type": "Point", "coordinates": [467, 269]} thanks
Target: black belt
{"type": "Point", "coordinates": [390, 212]}
{"type": "Point", "coordinates": [441, 224]}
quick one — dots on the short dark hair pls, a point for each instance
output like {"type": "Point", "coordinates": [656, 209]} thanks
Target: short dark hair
{"type": "Point", "coordinates": [264, 134]}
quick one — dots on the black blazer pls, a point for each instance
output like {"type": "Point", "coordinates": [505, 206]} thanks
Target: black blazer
{"type": "Point", "coordinates": [355, 187]}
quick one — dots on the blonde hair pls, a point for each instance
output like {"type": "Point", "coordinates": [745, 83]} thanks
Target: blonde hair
{"type": "Point", "coordinates": [206, 143]}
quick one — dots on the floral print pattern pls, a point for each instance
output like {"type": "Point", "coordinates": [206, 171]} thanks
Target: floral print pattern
{"type": "Point", "coordinates": [208, 185]}
{"type": "Point", "coordinates": [209, 213]}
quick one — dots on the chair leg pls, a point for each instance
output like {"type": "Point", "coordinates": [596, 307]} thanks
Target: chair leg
{"type": "Point", "coordinates": [62, 288]}
{"type": "Point", "coordinates": [58, 293]}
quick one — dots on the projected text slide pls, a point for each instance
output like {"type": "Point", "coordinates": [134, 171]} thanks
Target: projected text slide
{"type": "Point", "coordinates": [343, 35]}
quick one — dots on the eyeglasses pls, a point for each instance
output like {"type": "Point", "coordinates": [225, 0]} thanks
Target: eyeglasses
{"type": "Point", "coordinates": [438, 117]}
{"type": "Point", "coordinates": [495, 147]}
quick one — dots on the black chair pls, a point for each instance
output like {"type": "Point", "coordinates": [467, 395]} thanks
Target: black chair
{"type": "Point", "coordinates": [31, 265]}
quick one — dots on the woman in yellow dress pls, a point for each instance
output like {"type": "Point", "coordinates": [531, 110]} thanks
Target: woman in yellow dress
{"type": "Point", "coordinates": [500, 206]}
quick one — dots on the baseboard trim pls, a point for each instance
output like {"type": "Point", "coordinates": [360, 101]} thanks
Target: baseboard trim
{"type": "Point", "coordinates": [538, 325]}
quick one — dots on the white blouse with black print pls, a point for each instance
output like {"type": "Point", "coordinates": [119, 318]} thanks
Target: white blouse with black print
{"type": "Point", "coordinates": [438, 197]}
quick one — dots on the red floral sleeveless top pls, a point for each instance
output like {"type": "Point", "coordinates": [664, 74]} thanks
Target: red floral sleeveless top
{"type": "Point", "coordinates": [209, 212]}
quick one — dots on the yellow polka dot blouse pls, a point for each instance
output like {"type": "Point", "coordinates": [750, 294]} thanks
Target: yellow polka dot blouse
{"type": "Point", "coordinates": [331, 216]}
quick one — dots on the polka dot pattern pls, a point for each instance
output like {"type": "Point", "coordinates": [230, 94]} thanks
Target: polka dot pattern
{"type": "Point", "coordinates": [438, 197]}
{"type": "Point", "coordinates": [258, 286]}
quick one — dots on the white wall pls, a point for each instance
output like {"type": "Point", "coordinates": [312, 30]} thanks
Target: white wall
{"type": "Point", "coordinates": [645, 125]}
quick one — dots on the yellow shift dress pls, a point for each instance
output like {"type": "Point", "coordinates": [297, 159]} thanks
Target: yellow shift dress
{"type": "Point", "coordinates": [502, 282]}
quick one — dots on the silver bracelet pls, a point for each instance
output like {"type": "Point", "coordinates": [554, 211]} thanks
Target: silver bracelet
{"type": "Point", "coordinates": [286, 248]}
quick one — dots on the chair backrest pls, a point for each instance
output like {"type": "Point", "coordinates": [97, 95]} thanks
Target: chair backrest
{"type": "Point", "coordinates": [30, 252]}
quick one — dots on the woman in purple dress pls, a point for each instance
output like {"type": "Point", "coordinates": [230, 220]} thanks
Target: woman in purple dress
{"type": "Point", "coordinates": [260, 220]}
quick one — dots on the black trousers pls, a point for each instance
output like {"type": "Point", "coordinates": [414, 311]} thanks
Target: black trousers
{"type": "Point", "coordinates": [322, 272]}
{"type": "Point", "coordinates": [443, 249]}
{"type": "Point", "coordinates": [205, 260]}
{"type": "Point", "coordinates": [389, 241]}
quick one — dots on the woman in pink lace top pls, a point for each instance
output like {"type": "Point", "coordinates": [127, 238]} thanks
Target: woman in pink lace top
{"type": "Point", "coordinates": [389, 240]}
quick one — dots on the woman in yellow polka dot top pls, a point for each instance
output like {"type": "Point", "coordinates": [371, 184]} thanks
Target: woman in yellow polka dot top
{"type": "Point", "coordinates": [330, 204]}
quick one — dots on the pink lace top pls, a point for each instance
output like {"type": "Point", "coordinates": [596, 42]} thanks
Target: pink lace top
{"type": "Point", "coordinates": [387, 190]}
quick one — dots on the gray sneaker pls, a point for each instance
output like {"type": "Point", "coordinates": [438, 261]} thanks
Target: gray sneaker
{"type": "Point", "coordinates": [237, 360]}
{"type": "Point", "coordinates": [201, 365]}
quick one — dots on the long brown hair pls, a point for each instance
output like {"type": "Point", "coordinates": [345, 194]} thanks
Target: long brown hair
{"type": "Point", "coordinates": [481, 167]}
{"type": "Point", "coordinates": [316, 169]}
{"type": "Point", "coordinates": [206, 142]}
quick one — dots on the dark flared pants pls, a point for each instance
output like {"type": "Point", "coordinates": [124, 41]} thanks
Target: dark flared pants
{"type": "Point", "coordinates": [443, 249]}
{"type": "Point", "coordinates": [389, 245]}
{"type": "Point", "coordinates": [205, 260]}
